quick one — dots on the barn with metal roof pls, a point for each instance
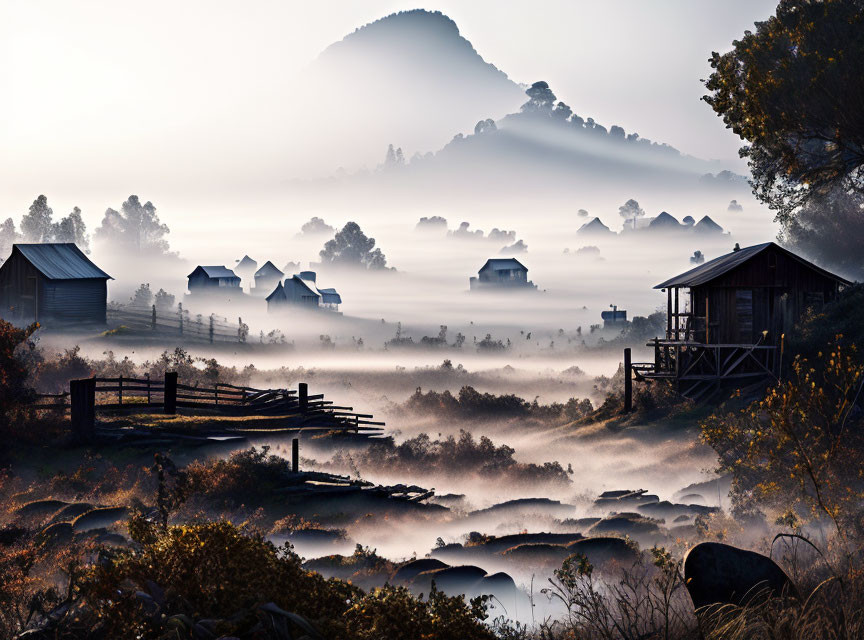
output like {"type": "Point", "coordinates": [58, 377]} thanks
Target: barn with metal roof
{"type": "Point", "coordinates": [52, 282]}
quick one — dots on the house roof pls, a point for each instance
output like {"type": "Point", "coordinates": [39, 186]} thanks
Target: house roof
{"type": "Point", "coordinates": [278, 293]}
{"type": "Point", "coordinates": [246, 263]}
{"type": "Point", "coordinates": [594, 226]}
{"type": "Point", "coordinates": [269, 269]}
{"type": "Point", "coordinates": [330, 296]}
{"type": "Point", "coordinates": [664, 220]}
{"type": "Point", "coordinates": [707, 225]}
{"type": "Point", "coordinates": [304, 284]}
{"type": "Point", "coordinates": [715, 268]}
{"type": "Point", "coordinates": [215, 271]}
{"type": "Point", "coordinates": [503, 264]}
{"type": "Point", "coordinates": [60, 261]}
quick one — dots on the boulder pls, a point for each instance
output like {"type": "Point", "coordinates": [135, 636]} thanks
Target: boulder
{"type": "Point", "coordinates": [503, 543]}
{"type": "Point", "coordinates": [628, 524]}
{"type": "Point", "coordinates": [410, 570]}
{"type": "Point", "coordinates": [602, 550]}
{"type": "Point", "coordinates": [523, 506]}
{"type": "Point", "coordinates": [59, 533]}
{"type": "Point", "coordinates": [668, 511]}
{"type": "Point", "coordinates": [496, 583]}
{"type": "Point", "coordinates": [101, 518]}
{"type": "Point", "coordinates": [451, 580]}
{"type": "Point", "coordinates": [717, 573]}
{"type": "Point", "coordinates": [40, 508]}
{"type": "Point", "coordinates": [72, 511]}
{"type": "Point", "coordinates": [538, 554]}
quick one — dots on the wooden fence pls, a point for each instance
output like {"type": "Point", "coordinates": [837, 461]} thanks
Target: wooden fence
{"type": "Point", "coordinates": [178, 322]}
{"type": "Point", "coordinates": [294, 408]}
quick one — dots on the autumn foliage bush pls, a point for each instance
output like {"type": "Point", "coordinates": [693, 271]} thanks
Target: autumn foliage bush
{"type": "Point", "coordinates": [215, 572]}
{"type": "Point", "coordinates": [801, 447]}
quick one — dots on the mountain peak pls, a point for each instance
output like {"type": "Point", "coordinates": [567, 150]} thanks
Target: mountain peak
{"type": "Point", "coordinates": [424, 40]}
{"type": "Point", "coordinates": [413, 18]}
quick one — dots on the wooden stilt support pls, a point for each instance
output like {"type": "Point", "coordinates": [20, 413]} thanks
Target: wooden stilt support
{"type": "Point", "coordinates": [295, 455]}
{"type": "Point", "coordinates": [628, 382]}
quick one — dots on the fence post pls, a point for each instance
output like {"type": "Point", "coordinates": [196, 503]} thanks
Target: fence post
{"type": "Point", "coordinates": [628, 382]}
{"type": "Point", "coordinates": [153, 319]}
{"type": "Point", "coordinates": [295, 455]}
{"type": "Point", "coordinates": [211, 328]}
{"type": "Point", "coordinates": [147, 376]}
{"type": "Point", "coordinates": [303, 394]}
{"type": "Point", "coordinates": [170, 401]}
{"type": "Point", "coordinates": [83, 416]}
{"type": "Point", "coordinates": [180, 312]}
{"type": "Point", "coordinates": [120, 390]}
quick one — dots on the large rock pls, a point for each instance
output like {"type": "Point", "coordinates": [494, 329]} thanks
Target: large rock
{"type": "Point", "coordinates": [453, 581]}
{"type": "Point", "coordinates": [72, 511]}
{"type": "Point", "coordinates": [537, 553]}
{"type": "Point", "coordinates": [718, 573]}
{"type": "Point", "coordinates": [602, 550]}
{"type": "Point", "coordinates": [40, 508]}
{"type": "Point", "coordinates": [410, 570]}
{"type": "Point", "coordinates": [626, 524]}
{"type": "Point", "coordinates": [100, 518]}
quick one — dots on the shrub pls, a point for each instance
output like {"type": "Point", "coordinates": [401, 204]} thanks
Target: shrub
{"type": "Point", "coordinates": [462, 455]}
{"type": "Point", "coordinates": [228, 482]}
{"type": "Point", "coordinates": [215, 573]}
{"type": "Point", "coordinates": [16, 393]}
{"type": "Point", "coordinates": [802, 446]}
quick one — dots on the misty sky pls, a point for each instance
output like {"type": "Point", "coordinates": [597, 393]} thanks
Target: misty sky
{"type": "Point", "coordinates": [106, 98]}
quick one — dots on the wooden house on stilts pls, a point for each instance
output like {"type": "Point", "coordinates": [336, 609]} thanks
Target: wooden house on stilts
{"type": "Point", "coordinates": [727, 319]}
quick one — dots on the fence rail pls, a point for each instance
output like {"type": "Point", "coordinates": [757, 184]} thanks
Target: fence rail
{"type": "Point", "coordinates": [295, 408]}
{"type": "Point", "coordinates": [178, 321]}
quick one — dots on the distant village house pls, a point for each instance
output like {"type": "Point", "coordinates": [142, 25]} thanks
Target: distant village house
{"type": "Point", "coordinates": [266, 279]}
{"type": "Point", "coordinates": [52, 282]}
{"type": "Point", "coordinates": [502, 273]}
{"type": "Point", "coordinates": [301, 290]}
{"type": "Point", "coordinates": [614, 319]}
{"type": "Point", "coordinates": [213, 279]}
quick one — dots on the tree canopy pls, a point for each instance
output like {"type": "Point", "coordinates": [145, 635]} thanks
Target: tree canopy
{"type": "Point", "coordinates": [36, 225]}
{"type": "Point", "coordinates": [71, 229]}
{"type": "Point", "coordinates": [136, 226]}
{"type": "Point", "coordinates": [793, 90]}
{"type": "Point", "coordinates": [540, 97]}
{"type": "Point", "coordinates": [351, 247]}
{"type": "Point", "coordinates": [631, 210]}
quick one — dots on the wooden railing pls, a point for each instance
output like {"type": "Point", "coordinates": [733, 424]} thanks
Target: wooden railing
{"type": "Point", "coordinates": [296, 406]}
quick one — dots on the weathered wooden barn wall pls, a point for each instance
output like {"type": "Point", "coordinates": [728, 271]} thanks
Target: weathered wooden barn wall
{"type": "Point", "coordinates": [780, 289]}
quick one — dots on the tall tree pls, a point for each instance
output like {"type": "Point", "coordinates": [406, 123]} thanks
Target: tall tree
{"type": "Point", "coordinates": [631, 210]}
{"type": "Point", "coordinates": [72, 229]}
{"type": "Point", "coordinates": [829, 229]}
{"type": "Point", "coordinates": [8, 237]}
{"type": "Point", "coordinates": [36, 224]}
{"type": "Point", "coordinates": [350, 246]}
{"type": "Point", "coordinates": [793, 91]}
{"type": "Point", "coordinates": [136, 226]}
